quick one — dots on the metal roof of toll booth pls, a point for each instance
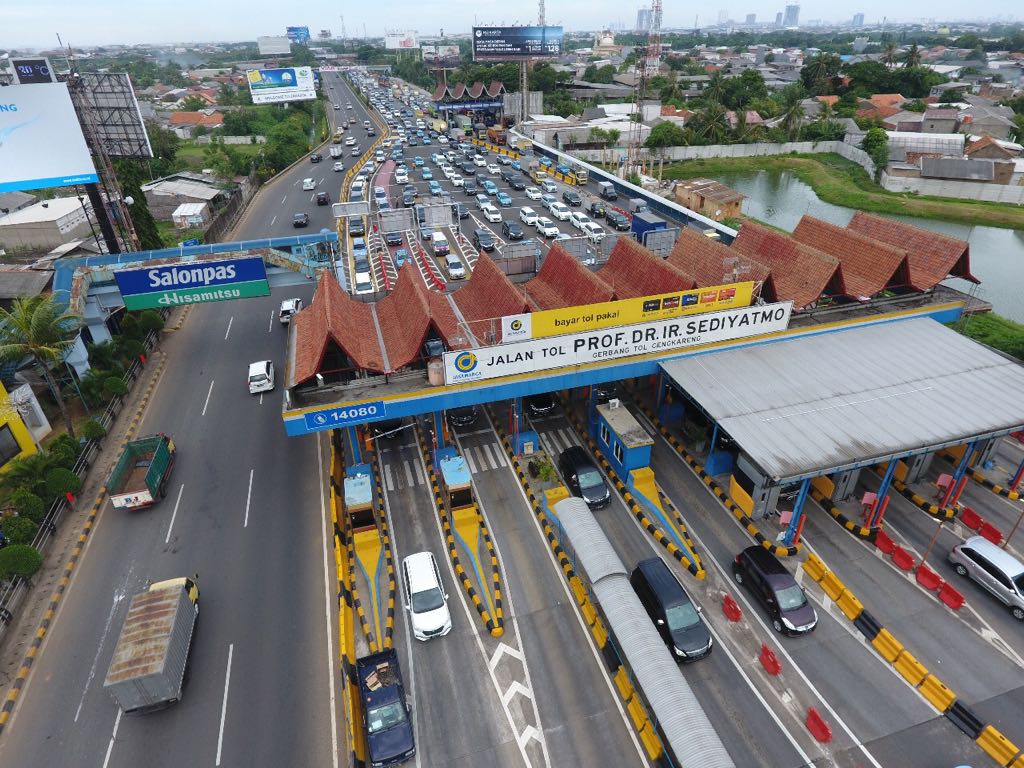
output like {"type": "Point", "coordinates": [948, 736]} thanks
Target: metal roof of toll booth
{"type": "Point", "coordinates": [843, 398]}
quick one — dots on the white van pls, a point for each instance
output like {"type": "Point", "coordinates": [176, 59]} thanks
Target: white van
{"type": "Point", "coordinates": [454, 266]}
{"type": "Point", "coordinates": [261, 377]}
{"type": "Point", "coordinates": [440, 244]}
{"type": "Point", "coordinates": [425, 598]}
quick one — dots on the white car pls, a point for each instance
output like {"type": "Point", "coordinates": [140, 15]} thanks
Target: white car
{"type": "Point", "coordinates": [349, 141]}
{"type": "Point", "coordinates": [261, 377]}
{"type": "Point", "coordinates": [401, 175]}
{"type": "Point", "coordinates": [491, 213]}
{"type": "Point", "coordinates": [426, 600]}
{"type": "Point", "coordinates": [528, 216]}
{"type": "Point", "coordinates": [547, 201]}
{"type": "Point", "coordinates": [482, 200]}
{"type": "Point", "coordinates": [338, 166]}
{"type": "Point", "coordinates": [442, 139]}
{"type": "Point", "coordinates": [546, 227]}
{"type": "Point", "coordinates": [559, 211]}
{"type": "Point", "coordinates": [493, 168]}
{"type": "Point", "coordinates": [457, 180]}
{"type": "Point", "coordinates": [308, 184]}
{"type": "Point", "coordinates": [548, 186]}
{"type": "Point", "coordinates": [447, 171]}
{"type": "Point", "coordinates": [289, 307]}
{"type": "Point", "coordinates": [478, 160]}
{"type": "Point", "coordinates": [593, 232]}
{"type": "Point", "coordinates": [578, 219]}
{"type": "Point", "coordinates": [533, 193]}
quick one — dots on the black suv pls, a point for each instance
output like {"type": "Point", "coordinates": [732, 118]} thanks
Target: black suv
{"type": "Point", "coordinates": [300, 220]}
{"type": "Point", "coordinates": [356, 227]}
{"type": "Point", "coordinates": [507, 175]}
{"type": "Point", "coordinates": [583, 478]}
{"type": "Point", "coordinates": [572, 198]}
{"type": "Point", "coordinates": [517, 183]}
{"type": "Point", "coordinates": [775, 588]}
{"type": "Point", "coordinates": [596, 209]}
{"type": "Point", "coordinates": [316, 157]}
{"type": "Point", "coordinates": [618, 221]}
{"type": "Point", "coordinates": [470, 188]}
{"type": "Point", "coordinates": [483, 240]}
{"type": "Point", "coordinates": [322, 198]}
{"type": "Point", "coordinates": [393, 238]}
{"type": "Point", "coordinates": [512, 231]}
{"type": "Point", "coordinates": [674, 615]}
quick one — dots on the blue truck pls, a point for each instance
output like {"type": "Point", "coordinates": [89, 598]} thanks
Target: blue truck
{"type": "Point", "coordinates": [644, 222]}
{"type": "Point", "coordinates": [387, 721]}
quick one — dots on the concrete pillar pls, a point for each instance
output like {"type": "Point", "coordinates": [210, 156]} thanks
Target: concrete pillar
{"type": "Point", "coordinates": [918, 466]}
{"type": "Point", "coordinates": [845, 484]}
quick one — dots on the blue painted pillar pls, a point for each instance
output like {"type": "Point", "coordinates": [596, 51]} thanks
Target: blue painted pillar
{"type": "Point", "coordinates": [517, 415]}
{"type": "Point", "coordinates": [355, 454]}
{"type": "Point", "coordinates": [714, 439]}
{"type": "Point", "coordinates": [953, 492]}
{"type": "Point", "coordinates": [795, 522]}
{"type": "Point", "coordinates": [661, 391]}
{"type": "Point", "coordinates": [438, 417]}
{"type": "Point", "coordinates": [881, 500]}
{"type": "Point", "coordinates": [1015, 480]}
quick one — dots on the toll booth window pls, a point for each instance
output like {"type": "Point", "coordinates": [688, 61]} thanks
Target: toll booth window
{"type": "Point", "coordinates": [617, 450]}
{"type": "Point", "coordinates": [461, 498]}
{"type": "Point", "coordinates": [604, 434]}
{"type": "Point", "coordinates": [743, 480]}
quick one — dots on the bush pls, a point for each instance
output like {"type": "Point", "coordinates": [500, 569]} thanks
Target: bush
{"type": "Point", "coordinates": [61, 481]}
{"type": "Point", "coordinates": [150, 321]}
{"type": "Point", "coordinates": [65, 449]}
{"type": "Point", "coordinates": [20, 530]}
{"type": "Point", "coordinates": [130, 326]}
{"type": "Point", "coordinates": [28, 505]}
{"type": "Point", "coordinates": [132, 348]}
{"type": "Point", "coordinates": [113, 386]}
{"type": "Point", "coordinates": [19, 560]}
{"type": "Point", "coordinates": [93, 430]}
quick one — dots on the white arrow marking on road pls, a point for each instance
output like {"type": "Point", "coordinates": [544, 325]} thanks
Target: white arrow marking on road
{"type": "Point", "coordinates": [512, 690]}
{"type": "Point", "coordinates": [528, 733]}
{"type": "Point", "coordinates": [501, 651]}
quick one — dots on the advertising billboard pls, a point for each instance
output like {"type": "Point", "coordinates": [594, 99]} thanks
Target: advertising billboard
{"type": "Point", "coordinates": [119, 123]}
{"type": "Point", "coordinates": [274, 86]}
{"type": "Point", "coordinates": [41, 141]}
{"type": "Point", "coordinates": [298, 35]}
{"type": "Point", "coordinates": [192, 282]}
{"type": "Point", "coordinates": [274, 46]}
{"type": "Point", "coordinates": [595, 346]}
{"type": "Point", "coordinates": [593, 317]}
{"type": "Point", "coordinates": [32, 71]}
{"type": "Point", "coordinates": [513, 43]}
{"type": "Point", "coordinates": [441, 55]}
{"type": "Point", "coordinates": [400, 40]}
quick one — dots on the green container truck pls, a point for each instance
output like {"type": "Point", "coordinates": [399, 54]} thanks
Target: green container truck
{"type": "Point", "coordinates": [140, 477]}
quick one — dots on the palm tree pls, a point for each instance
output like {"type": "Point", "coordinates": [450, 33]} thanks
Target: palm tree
{"type": "Point", "coordinates": [715, 89]}
{"type": "Point", "coordinates": [39, 328]}
{"type": "Point", "coordinates": [912, 58]}
{"type": "Point", "coordinates": [889, 54]}
{"type": "Point", "coordinates": [711, 124]}
{"type": "Point", "coordinates": [792, 115]}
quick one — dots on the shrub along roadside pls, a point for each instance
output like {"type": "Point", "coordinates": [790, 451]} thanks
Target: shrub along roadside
{"type": "Point", "coordinates": [994, 330]}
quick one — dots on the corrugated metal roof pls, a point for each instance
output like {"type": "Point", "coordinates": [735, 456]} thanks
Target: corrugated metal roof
{"type": "Point", "coordinates": [675, 708]}
{"type": "Point", "coordinates": [803, 406]}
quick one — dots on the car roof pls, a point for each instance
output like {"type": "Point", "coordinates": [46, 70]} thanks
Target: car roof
{"type": "Point", "coordinates": [576, 455]}
{"type": "Point", "coordinates": [766, 562]}
{"type": "Point", "coordinates": [663, 581]}
{"type": "Point", "coordinates": [420, 569]}
{"type": "Point", "coordinates": [996, 555]}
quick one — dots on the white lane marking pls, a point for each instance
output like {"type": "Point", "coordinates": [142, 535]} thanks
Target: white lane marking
{"type": "Point", "coordinates": [118, 597]}
{"type": "Point", "coordinates": [224, 703]}
{"type": "Point", "coordinates": [167, 538]}
{"type": "Point", "coordinates": [421, 474]}
{"type": "Point", "coordinates": [113, 736]}
{"type": "Point", "coordinates": [208, 393]}
{"type": "Point", "coordinates": [273, 220]}
{"type": "Point", "coordinates": [408, 474]}
{"type": "Point", "coordinates": [327, 603]}
{"type": "Point", "coordinates": [228, 331]}
{"type": "Point", "coordinates": [500, 651]}
{"type": "Point", "coordinates": [500, 454]}
{"type": "Point", "coordinates": [285, 198]}
{"type": "Point", "coordinates": [514, 688]}
{"type": "Point", "coordinates": [470, 462]}
{"type": "Point", "coordinates": [248, 499]}
{"type": "Point", "coordinates": [389, 481]}
{"type": "Point", "coordinates": [270, 328]}
{"type": "Point", "coordinates": [261, 398]}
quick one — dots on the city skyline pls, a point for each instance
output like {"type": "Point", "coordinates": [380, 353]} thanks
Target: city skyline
{"type": "Point", "coordinates": [118, 21]}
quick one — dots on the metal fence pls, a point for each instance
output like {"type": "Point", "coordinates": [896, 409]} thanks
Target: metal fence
{"type": "Point", "coordinates": [13, 591]}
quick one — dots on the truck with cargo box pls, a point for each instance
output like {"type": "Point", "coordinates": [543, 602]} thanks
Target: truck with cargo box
{"type": "Point", "coordinates": [140, 476]}
{"type": "Point", "coordinates": [644, 222]}
{"type": "Point", "coordinates": [387, 724]}
{"type": "Point", "coordinates": [147, 671]}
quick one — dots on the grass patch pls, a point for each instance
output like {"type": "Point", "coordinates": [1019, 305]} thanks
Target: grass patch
{"type": "Point", "coordinates": [171, 235]}
{"type": "Point", "coordinates": [192, 155]}
{"type": "Point", "coordinates": [842, 182]}
{"type": "Point", "coordinates": [994, 330]}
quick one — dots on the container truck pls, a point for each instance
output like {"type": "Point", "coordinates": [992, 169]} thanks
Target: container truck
{"type": "Point", "coordinates": [147, 671]}
{"type": "Point", "coordinates": [644, 222]}
{"type": "Point", "coordinates": [140, 476]}
{"type": "Point", "coordinates": [387, 724]}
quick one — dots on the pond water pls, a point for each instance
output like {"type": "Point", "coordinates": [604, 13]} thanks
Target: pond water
{"type": "Point", "coordinates": [997, 255]}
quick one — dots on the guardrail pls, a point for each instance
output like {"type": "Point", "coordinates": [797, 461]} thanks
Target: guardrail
{"type": "Point", "coordinates": [16, 588]}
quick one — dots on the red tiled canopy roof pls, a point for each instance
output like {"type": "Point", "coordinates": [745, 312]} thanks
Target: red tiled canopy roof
{"type": "Point", "coordinates": [564, 282]}
{"type": "Point", "coordinates": [634, 271]}
{"type": "Point", "coordinates": [488, 295]}
{"type": "Point", "coordinates": [334, 316]}
{"type": "Point", "coordinates": [869, 265]}
{"type": "Point", "coordinates": [800, 273]}
{"type": "Point", "coordinates": [457, 91]}
{"type": "Point", "coordinates": [933, 257]}
{"type": "Point", "coordinates": [408, 314]}
{"type": "Point", "coordinates": [711, 263]}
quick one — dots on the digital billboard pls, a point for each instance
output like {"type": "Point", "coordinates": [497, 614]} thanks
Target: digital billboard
{"type": "Point", "coordinates": [512, 43]}
{"type": "Point", "coordinates": [400, 40]}
{"type": "Point", "coordinates": [298, 35]}
{"type": "Point", "coordinates": [41, 141]}
{"type": "Point", "coordinates": [32, 71]}
{"type": "Point", "coordinates": [274, 86]}
{"type": "Point", "coordinates": [193, 282]}
{"type": "Point", "coordinates": [441, 55]}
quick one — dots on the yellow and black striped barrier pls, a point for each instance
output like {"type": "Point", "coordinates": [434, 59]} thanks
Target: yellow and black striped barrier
{"type": "Point", "coordinates": [829, 506]}
{"type": "Point", "coordinates": [939, 513]}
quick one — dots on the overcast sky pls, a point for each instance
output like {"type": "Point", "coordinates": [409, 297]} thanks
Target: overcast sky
{"type": "Point", "coordinates": [35, 23]}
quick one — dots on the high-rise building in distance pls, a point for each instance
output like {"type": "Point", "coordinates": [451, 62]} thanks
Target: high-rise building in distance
{"type": "Point", "coordinates": [858, 20]}
{"type": "Point", "coordinates": [644, 19]}
{"type": "Point", "coordinates": [792, 16]}
{"type": "Point", "coordinates": [778, 19]}
{"type": "Point", "coordinates": [751, 19]}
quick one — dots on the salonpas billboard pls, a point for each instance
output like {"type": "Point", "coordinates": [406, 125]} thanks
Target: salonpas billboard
{"type": "Point", "coordinates": [614, 343]}
{"type": "Point", "coordinates": [192, 282]}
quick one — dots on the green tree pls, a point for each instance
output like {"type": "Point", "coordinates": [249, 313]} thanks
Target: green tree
{"type": "Point", "coordinates": [165, 145]}
{"type": "Point", "coordinates": [912, 58]}
{"type": "Point", "coordinates": [302, 56]}
{"type": "Point", "coordinates": [739, 92]}
{"type": "Point", "coordinates": [130, 177]}
{"type": "Point", "coordinates": [889, 52]}
{"type": "Point", "coordinates": [820, 73]}
{"type": "Point", "coordinates": [20, 530]}
{"type": "Point", "coordinates": [193, 104]}
{"type": "Point", "coordinates": [60, 481]}
{"type": "Point", "coordinates": [38, 328]}
{"type": "Point", "coordinates": [711, 124]}
{"type": "Point", "coordinates": [665, 134]}
{"type": "Point", "coordinates": [876, 144]}
{"type": "Point", "coordinates": [792, 111]}
{"type": "Point", "coordinates": [19, 560]}
{"type": "Point", "coordinates": [870, 77]}
{"type": "Point", "coordinates": [150, 321]}
{"type": "Point", "coordinates": [27, 504]}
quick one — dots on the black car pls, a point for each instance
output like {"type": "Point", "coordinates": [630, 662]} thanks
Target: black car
{"type": "Point", "coordinates": [572, 199]}
{"type": "Point", "coordinates": [512, 231]}
{"type": "Point", "coordinates": [583, 478]}
{"type": "Point", "coordinates": [470, 188]}
{"type": "Point", "coordinates": [408, 199]}
{"type": "Point", "coordinates": [540, 405]}
{"type": "Point", "coordinates": [775, 588]}
{"type": "Point", "coordinates": [517, 183]}
{"type": "Point", "coordinates": [316, 157]}
{"type": "Point", "coordinates": [609, 390]}
{"type": "Point", "coordinates": [596, 209]}
{"type": "Point", "coordinates": [483, 240]}
{"type": "Point", "coordinates": [387, 428]}
{"type": "Point", "coordinates": [393, 238]}
{"type": "Point", "coordinates": [674, 615]}
{"type": "Point", "coordinates": [463, 417]}
{"type": "Point", "coordinates": [468, 169]}
{"type": "Point", "coordinates": [507, 176]}
{"type": "Point", "coordinates": [618, 221]}
{"type": "Point", "coordinates": [461, 210]}
{"type": "Point", "coordinates": [322, 198]}
{"type": "Point", "coordinates": [300, 220]}
{"type": "Point", "coordinates": [356, 227]}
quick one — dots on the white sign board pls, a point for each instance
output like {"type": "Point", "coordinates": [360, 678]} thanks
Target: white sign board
{"type": "Point", "coordinates": [401, 41]}
{"type": "Point", "coordinates": [613, 343]}
{"type": "Point", "coordinates": [41, 141]}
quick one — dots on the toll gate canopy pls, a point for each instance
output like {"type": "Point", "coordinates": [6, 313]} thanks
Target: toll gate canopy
{"type": "Point", "coordinates": [839, 399]}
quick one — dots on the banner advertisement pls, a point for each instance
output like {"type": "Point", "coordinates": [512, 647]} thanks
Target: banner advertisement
{"type": "Point", "coordinates": [511, 43]}
{"type": "Point", "coordinates": [554, 322]}
{"type": "Point", "coordinates": [192, 282]}
{"type": "Point", "coordinates": [298, 34]}
{"type": "Point", "coordinates": [274, 86]}
{"type": "Point", "coordinates": [400, 41]}
{"type": "Point", "coordinates": [613, 343]}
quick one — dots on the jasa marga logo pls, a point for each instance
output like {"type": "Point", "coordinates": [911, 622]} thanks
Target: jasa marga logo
{"type": "Point", "coordinates": [466, 362]}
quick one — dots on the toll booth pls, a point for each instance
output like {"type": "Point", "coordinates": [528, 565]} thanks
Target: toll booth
{"type": "Point", "coordinates": [455, 478]}
{"type": "Point", "coordinates": [622, 440]}
{"type": "Point", "coordinates": [359, 497]}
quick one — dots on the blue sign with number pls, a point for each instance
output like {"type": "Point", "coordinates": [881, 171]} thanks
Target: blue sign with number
{"type": "Point", "coordinates": [346, 416]}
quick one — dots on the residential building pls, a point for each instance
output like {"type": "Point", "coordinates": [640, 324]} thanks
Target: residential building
{"type": "Point", "coordinates": [987, 148]}
{"type": "Point", "coordinates": [184, 124]}
{"type": "Point", "coordinates": [940, 121]}
{"type": "Point", "coordinates": [709, 198]}
{"type": "Point", "coordinates": [166, 194]}
{"type": "Point", "coordinates": [751, 19]}
{"type": "Point", "coordinates": [45, 224]}
{"type": "Point", "coordinates": [15, 201]}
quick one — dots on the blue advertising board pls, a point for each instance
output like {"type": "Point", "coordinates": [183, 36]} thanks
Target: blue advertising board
{"type": "Point", "coordinates": [344, 416]}
{"type": "Point", "coordinates": [192, 282]}
{"type": "Point", "coordinates": [513, 43]}
{"type": "Point", "coordinates": [298, 34]}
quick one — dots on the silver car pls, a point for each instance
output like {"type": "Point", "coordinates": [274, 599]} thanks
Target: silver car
{"type": "Point", "coordinates": [994, 568]}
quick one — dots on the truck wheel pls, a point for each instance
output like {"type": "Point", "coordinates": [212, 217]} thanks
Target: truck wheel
{"type": "Point", "coordinates": [163, 488]}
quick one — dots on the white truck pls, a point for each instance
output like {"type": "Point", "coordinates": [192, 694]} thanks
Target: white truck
{"type": "Point", "coordinates": [147, 671]}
